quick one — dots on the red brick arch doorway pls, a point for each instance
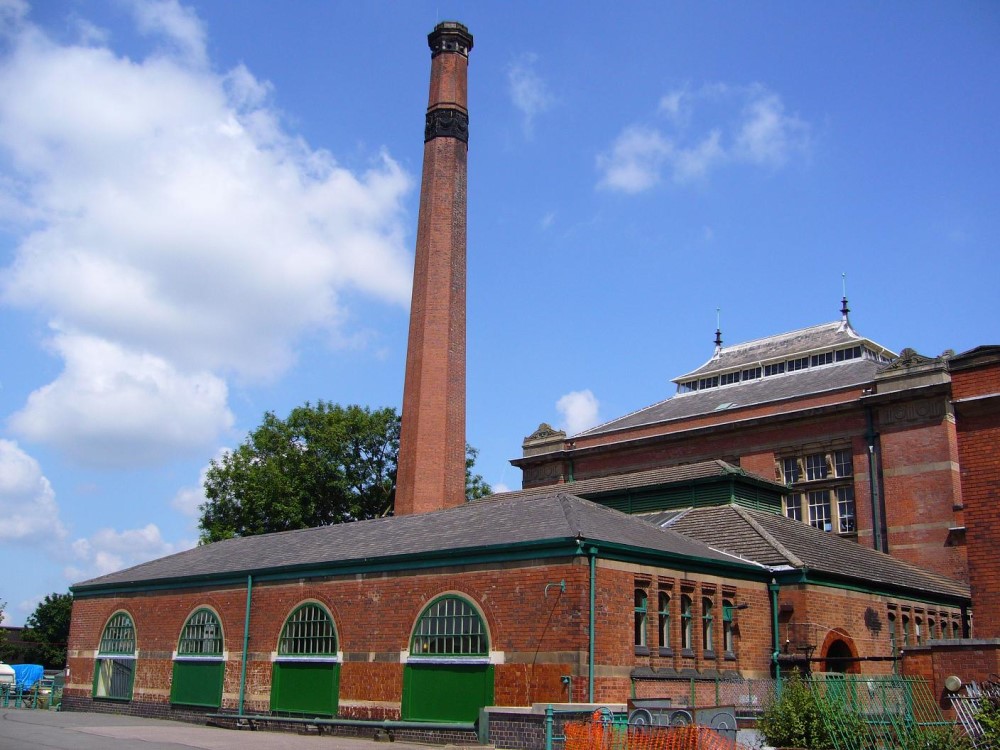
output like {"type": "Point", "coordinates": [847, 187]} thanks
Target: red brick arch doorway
{"type": "Point", "coordinates": [839, 653]}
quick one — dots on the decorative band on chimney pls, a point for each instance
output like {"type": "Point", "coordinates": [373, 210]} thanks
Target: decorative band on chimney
{"type": "Point", "coordinates": [447, 122]}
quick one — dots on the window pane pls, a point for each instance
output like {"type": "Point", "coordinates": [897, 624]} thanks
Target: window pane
{"type": "Point", "coordinates": [308, 631]}
{"type": "Point", "coordinates": [844, 463]}
{"type": "Point", "coordinates": [640, 617]}
{"type": "Point", "coordinates": [118, 636]}
{"type": "Point", "coordinates": [819, 510]}
{"type": "Point", "coordinates": [816, 467]}
{"type": "Point", "coordinates": [793, 507]}
{"type": "Point", "coordinates": [664, 620]}
{"type": "Point", "coordinates": [201, 634]}
{"type": "Point", "coordinates": [845, 509]}
{"type": "Point", "coordinates": [790, 469]}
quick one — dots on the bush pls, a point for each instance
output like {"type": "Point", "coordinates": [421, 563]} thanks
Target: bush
{"type": "Point", "coordinates": [794, 718]}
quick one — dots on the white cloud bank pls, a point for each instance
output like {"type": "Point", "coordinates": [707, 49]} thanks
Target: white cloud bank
{"type": "Point", "coordinates": [169, 221]}
{"type": "Point", "coordinates": [579, 410]}
{"type": "Point", "coordinates": [747, 125]}
{"type": "Point", "coordinates": [528, 91]}
{"type": "Point", "coordinates": [108, 550]}
{"type": "Point", "coordinates": [28, 510]}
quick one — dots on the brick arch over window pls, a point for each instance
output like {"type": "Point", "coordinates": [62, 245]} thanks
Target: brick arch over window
{"type": "Point", "coordinates": [838, 647]}
{"type": "Point", "coordinates": [117, 652]}
{"type": "Point", "coordinates": [199, 661]}
{"type": "Point", "coordinates": [448, 675]}
{"type": "Point", "coordinates": [305, 675]}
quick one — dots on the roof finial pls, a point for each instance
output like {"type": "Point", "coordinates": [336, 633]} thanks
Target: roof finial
{"type": "Point", "coordinates": [844, 309]}
{"type": "Point", "coordinates": [718, 330]}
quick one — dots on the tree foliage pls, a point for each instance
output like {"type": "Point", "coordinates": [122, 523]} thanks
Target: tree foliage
{"type": "Point", "coordinates": [47, 630]}
{"type": "Point", "coordinates": [323, 464]}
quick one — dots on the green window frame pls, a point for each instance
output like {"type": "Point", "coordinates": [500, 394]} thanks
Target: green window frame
{"type": "Point", "coordinates": [687, 636]}
{"type": "Point", "coordinates": [641, 618]}
{"type": "Point", "coordinates": [114, 666]}
{"type": "Point", "coordinates": [728, 642]}
{"type": "Point", "coordinates": [664, 623]}
{"type": "Point", "coordinates": [308, 631]}
{"type": "Point", "coordinates": [451, 627]}
{"type": "Point", "coordinates": [707, 645]}
{"type": "Point", "coordinates": [199, 662]}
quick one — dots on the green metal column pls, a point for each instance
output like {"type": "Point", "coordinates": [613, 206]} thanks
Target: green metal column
{"type": "Point", "coordinates": [592, 552]}
{"type": "Point", "coordinates": [775, 635]}
{"type": "Point", "coordinates": [246, 642]}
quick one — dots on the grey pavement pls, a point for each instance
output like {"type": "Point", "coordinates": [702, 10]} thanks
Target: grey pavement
{"type": "Point", "coordinates": [22, 729]}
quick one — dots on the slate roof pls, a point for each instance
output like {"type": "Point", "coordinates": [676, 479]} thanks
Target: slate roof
{"type": "Point", "coordinates": [499, 522]}
{"type": "Point", "coordinates": [772, 539]}
{"type": "Point", "coordinates": [649, 478]}
{"type": "Point", "coordinates": [824, 337]}
{"type": "Point", "coordinates": [855, 372]}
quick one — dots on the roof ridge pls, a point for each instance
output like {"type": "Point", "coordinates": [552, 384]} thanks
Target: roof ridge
{"type": "Point", "coordinates": [768, 537]}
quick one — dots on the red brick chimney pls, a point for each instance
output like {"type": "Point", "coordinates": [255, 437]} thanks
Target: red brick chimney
{"type": "Point", "coordinates": [431, 473]}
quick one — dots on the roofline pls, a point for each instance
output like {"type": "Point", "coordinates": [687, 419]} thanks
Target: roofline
{"type": "Point", "coordinates": [535, 549]}
{"type": "Point", "coordinates": [807, 575]}
{"type": "Point", "coordinates": [720, 426]}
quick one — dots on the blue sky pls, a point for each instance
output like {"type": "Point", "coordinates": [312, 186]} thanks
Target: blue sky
{"type": "Point", "coordinates": [207, 211]}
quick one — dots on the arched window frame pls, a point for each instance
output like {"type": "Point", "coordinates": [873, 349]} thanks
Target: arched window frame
{"type": "Point", "coordinates": [311, 625]}
{"type": "Point", "coordinates": [892, 633]}
{"type": "Point", "coordinates": [663, 623]}
{"type": "Point", "coordinates": [201, 637]}
{"type": "Point", "coordinates": [641, 612]}
{"type": "Point", "coordinates": [115, 662]}
{"type": "Point", "coordinates": [687, 627]}
{"type": "Point", "coordinates": [431, 619]}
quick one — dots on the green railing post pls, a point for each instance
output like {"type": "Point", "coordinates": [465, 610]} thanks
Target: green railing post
{"type": "Point", "coordinates": [548, 727]}
{"type": "Point", "coordinates": [246, 642]}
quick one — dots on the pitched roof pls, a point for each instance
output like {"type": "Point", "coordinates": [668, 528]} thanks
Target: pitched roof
{"type": "Point", "coordinates": [747, 393]}
{"type": "Point", "coordinates": [488, 523]}
{"type": "Point", "coordinates": [774, 540]}
{"type": "Point", "coordinates": [671, 475]}
{"type": "Point", "coordinates": [783, 346]}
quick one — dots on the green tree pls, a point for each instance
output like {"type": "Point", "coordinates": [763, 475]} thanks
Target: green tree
{"type": "Point", "coordinates": [475, 486]}
{"type": "Point", "coordinates": [321, 465]}
{"type": "Point", "coordinates": [47, 630]}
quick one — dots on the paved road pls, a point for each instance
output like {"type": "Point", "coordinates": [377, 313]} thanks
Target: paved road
{"type": "Point", "coordinates": [25, 729]}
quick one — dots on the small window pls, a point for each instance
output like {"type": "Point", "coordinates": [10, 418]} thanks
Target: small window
{"type": "Point", "coordinates": [918, 631]}
{"type": "Point", "coordinates": [819, 510]}
{"type": "Point", "coordinates": [450, 627]}
{"type": "Point", "coordinates": [816, 467]}
{"type": "Point", "coordinates": [640, 618]}
{"type": "Point", "coordinates": [687, 634]}
{"type": "Point", "coordinates": [751, 374]}
{"type": "Point", "coordinates": [790, 469]}
{"type": "Point", "coordinates": [706, 625]}
{"type": "Point", "coordinates": [729, 378]}
{"type": "Point", "coordinates": [843, 462]}
{"type": "Point", "coordinates": [892, 633]}
{"type": "Point", "coordinates": [793, 507]}
{"type": "Point", "coordinates": [664, 621]}
{"type": "Point", "coordinates": [114, 667]}
{"type": "Point", "coordinates": [800, 363]}
{"type": "Point", "coordinates": [845, 509]}
{"type": "Point", "coordinates": [906, 631]}
{"type": "Point", "coordinates": [712, 382]}
{"type": "Point", "coordinates": [821, 359]}
{"type": "Point", "coordinates": [727, 628]}
{"type": "Point", "coordinates": [931, 629]}
{"type": "Point", "coordinates": [776, 369]}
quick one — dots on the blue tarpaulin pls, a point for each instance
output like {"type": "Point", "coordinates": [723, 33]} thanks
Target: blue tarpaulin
{"type": "Point", "coordinates": [26, 675]}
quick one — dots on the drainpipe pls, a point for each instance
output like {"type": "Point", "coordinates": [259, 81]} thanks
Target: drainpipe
{"type": "Point", "coordinates": [592, 553]}
{"type": "Point", "coordinates": [246, 642]}
{"type": "Point", "coordinates": [873, 482]}
{"type": "Point", "coordinates": [775, 634]}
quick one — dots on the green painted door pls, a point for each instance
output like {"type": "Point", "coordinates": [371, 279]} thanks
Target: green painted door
{"type": "Point", "coordinates": [305, 687]}
{"type": "Point", "coordinates": [446, 692]}
{"type": "Point", "coordinates": [197, 683]}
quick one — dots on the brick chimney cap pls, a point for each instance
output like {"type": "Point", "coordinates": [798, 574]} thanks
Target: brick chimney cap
{"type": "Point", "coordinates": [450, 36]}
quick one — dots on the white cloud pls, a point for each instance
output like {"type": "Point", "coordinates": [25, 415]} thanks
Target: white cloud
{"type": "Point", "coordinates": [109, 550]}
{"type": "Point", "coordinates": [528, 91]}
{"type": "Point", "coordinates": [164, 209]}
{"type": "Point", "coordinates": [188, 499]}
{"type": "Point", "coordinates": [635, 161]}
{"type": "Point", "coordinates": [744, 125]}
{"type": "Point", "coordinates": [28, 510]}
{"type": "Point", "coordinates": [500, 487]}
{"type": "Point", "coordinates": [579, 411]}
{"type": "Point", "coordinates": [113, 407]}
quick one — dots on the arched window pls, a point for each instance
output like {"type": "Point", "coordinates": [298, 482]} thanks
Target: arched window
{"type": "Point", "coordinates": [450, 627]}
{"type": "Point", "coordinates": [728, 644]}
{"type": "Point", "coordinates": [892, 633]}
{"type": "Point", "coordinates": [114, 667]}
{"type": "Point", "coordinates": [706, 626]}
{"type": "Point", "coordinates": [664, 623]}
{"type": "Point", "coordinates": [906, 631]}
{"type": "Point", "coordinates": [687, 632]}
{"type": "Point", "coordinates": [199, 664]}
{"type": "Point", "coordinates": [305, 676]}
{"type": "Point", "coordinates": [641, 601]}
{"type": "Point", "coordinates": [448, 675]}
